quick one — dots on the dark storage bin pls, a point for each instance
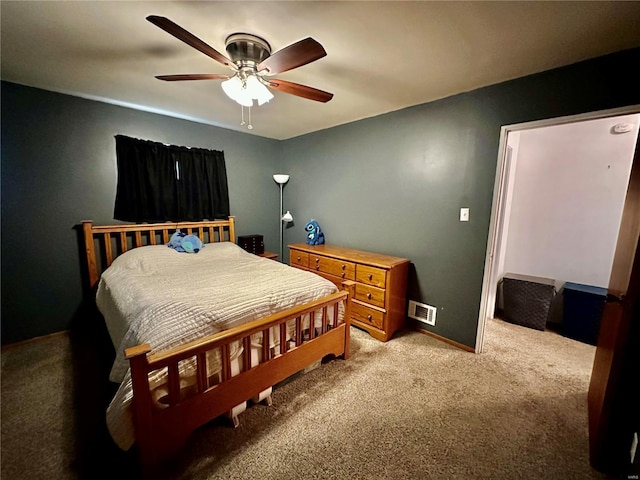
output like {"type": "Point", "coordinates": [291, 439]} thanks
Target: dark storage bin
{"type": "Point", "coordinates": [527, 299]}
{"type": "Point", "coordinates": [582, 311]}
{"type": "Point", "coordinates": [251, 243]}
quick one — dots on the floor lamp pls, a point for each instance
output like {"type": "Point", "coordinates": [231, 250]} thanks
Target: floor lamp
{"type": "Point", "coordinates": [281, 179]}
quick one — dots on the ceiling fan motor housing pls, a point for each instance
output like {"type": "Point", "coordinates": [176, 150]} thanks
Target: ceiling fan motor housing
{"type": "Point", "coordinates": [243, 47]}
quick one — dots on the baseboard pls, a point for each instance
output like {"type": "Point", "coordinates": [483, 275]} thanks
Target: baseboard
{"type": "Point", "coordinates": [461, 346]}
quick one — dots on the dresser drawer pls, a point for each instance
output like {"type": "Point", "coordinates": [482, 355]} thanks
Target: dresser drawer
{"type": "Point", "coordinates": [368, 315]}
{"type": "Point", "coordinates": [299, 259]}
{"type": "Point", "coordinates": [371, 276]}
{"type": "Point", "coordinates": [332, 266]}
{"type": "Point", "coordinates": [369, 294]}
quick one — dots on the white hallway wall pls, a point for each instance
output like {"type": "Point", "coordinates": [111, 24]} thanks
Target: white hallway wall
{"type": "Point", "coordinates": [567, 199]}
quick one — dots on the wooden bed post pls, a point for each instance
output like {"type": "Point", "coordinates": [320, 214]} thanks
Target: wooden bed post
{"type": "Point", "coordinates": [87, 228]}
{"type": "Point", "coordinates": [232, 229]}
{"type": "Point", "coordinates": [142, 406]}
{"type": "Point", "coordinates": [350, 287]}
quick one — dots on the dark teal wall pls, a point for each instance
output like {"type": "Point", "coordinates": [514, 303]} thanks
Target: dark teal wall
{"type": "Point", "coordinates": [395, 183]}
{"type": "Point", "coordinates": [58, 168]}
{"type": "Point", "coordinates": [392, 184]}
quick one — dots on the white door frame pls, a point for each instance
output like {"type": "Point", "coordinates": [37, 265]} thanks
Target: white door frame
{"type": "Point", "coordinates": [501, 186]}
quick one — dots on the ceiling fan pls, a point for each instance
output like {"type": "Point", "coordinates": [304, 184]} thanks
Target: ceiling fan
{"type": "Point", "coordinates": [253, 65]}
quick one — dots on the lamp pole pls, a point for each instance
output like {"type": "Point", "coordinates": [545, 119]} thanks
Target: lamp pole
{"type": "Point", "coordinates": [281, 179]}
{"type": "Point", "coordinates": [281, 224]}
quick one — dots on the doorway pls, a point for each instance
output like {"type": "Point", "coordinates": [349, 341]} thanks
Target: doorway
{"type": "Point", "coordinates": [507, 222]}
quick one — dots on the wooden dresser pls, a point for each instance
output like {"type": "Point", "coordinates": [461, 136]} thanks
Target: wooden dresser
{"type": "Point", "coordinates": [379, 304]}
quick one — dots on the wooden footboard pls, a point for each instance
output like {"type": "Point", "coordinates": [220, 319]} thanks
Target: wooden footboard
{"type": "Point", "coordinates": [161, 432]}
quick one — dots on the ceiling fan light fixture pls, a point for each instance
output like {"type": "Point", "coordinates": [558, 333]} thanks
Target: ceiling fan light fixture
{"type": "Point", "coordinates": [246, 92]}
{"type": "Point", "coordinates": [251, 60]}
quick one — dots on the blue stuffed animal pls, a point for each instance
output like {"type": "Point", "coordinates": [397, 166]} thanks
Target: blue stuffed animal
{"type": "Point", "coordinates": [314, 233]}
{"type": "Point", "coordinates": [182, 242]}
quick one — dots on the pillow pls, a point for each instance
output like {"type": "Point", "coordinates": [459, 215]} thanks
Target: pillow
{"type": "Point", "coordinates": [181, 242]}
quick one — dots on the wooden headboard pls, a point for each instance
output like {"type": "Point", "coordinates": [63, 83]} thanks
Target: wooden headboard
{"type": "Point", "coordinates": [103, 243]}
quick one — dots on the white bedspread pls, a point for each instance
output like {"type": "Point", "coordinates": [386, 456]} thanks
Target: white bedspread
{"type": "Point", "coordinates": [158, 296]}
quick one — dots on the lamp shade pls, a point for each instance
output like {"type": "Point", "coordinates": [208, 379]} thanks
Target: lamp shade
{"type": "Point", "coordinates": [281, 178]}
{"type": "Point", "coordinates": [257, 90]}
{"type": "Point", "coordinates": [235, 91]}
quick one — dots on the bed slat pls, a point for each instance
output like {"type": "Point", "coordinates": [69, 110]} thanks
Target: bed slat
{"type": "Point", "coordinates": [108, 250]}
{"type": "Point", "coordinates": [298, 331]}
{"type": "Point", "coordinates": [324, 320]}
{"type": "Point", "coordinates": [203, 381]}
{"type": "Point", "coordinates": [312, 325]}
{"type": "Point", "coordinates": [246, 354]}
{"type": "Point", "coordinates": [173, 384]}
{"type": "Point", "coordinates": [226, 362]}
{"type": "Point", "coordinates": [123, 242]}
{"type": "Point", "coordinates": [265, 345]}
{"type": "Point", "coordinates": [283, 338]}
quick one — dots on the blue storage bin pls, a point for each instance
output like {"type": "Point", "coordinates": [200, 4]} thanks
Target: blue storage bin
{"type": "Point", "coordinates": [583, 305]}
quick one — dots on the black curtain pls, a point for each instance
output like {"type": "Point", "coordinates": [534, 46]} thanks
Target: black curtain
{"type": "Point", "coordinates": [158, 183]}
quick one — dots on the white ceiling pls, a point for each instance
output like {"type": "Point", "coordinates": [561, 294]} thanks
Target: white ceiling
{"type": "Point", "coordinates": [381, 56]}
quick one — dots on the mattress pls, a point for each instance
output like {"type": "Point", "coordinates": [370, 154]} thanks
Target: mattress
{"type": "Point", "coordinates": [158, 296]}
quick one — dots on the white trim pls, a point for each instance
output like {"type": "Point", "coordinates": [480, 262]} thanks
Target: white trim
{"type": "Point", "coordinates": [499, 189]}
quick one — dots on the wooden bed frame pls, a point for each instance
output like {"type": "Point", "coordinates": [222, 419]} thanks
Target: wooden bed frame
{"type": "Point", "coordinates": [161, 432]}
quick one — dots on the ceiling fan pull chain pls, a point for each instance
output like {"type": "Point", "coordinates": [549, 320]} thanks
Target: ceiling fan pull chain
{"type": "Point", "coordinates": [242, 123]}
{"type": "Point", "coordinates": [250, 127]}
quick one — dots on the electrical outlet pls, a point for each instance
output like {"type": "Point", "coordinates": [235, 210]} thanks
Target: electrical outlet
{"type": "Point", "coordinates": [464, 214]}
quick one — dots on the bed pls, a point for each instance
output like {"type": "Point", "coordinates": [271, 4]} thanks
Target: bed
{"type": "Point", "coordinates": [198, 335]}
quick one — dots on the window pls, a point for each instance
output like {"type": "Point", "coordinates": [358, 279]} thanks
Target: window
{"type": "Point", "coordinates": [158, 183]}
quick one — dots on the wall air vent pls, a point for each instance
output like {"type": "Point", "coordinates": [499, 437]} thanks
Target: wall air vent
{"type": "Point", "coordinates": [422, 312]}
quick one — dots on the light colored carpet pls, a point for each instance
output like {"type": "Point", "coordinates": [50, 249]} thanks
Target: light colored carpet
{"type": "Point", "coordinates": [410, 408]}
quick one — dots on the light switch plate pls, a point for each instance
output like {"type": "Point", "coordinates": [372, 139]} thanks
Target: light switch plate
{"type": "Point", "coordinates": [464, 214]}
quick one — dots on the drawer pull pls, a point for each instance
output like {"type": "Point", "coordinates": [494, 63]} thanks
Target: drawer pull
{"type": "Point", "coordinates": [317, 260]}
{"type": "Point", "coordinates": [344, 266]}
{"type": "Point", "coordinates": [299, 258]}
{"type": "Point", "coordinates": [343, 274]}
{"type": "Point", "coordinates": [369, 296]}
{"type": "Point", "coordinates": [370, 277]}
{"type": "Point", "coordinates": [369, 317]}
{"type": "Point", "coordinates": [317, 267]}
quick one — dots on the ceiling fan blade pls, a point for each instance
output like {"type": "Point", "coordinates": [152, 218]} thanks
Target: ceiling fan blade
{"type": "Point", "coordinates": [192, 76]}
{"type": "Point", "coordinates": [190, 39]}
{"type": "Point", "coordinates": [300, 90]}
{"type": "Point", "coordinates": [295, 55]}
